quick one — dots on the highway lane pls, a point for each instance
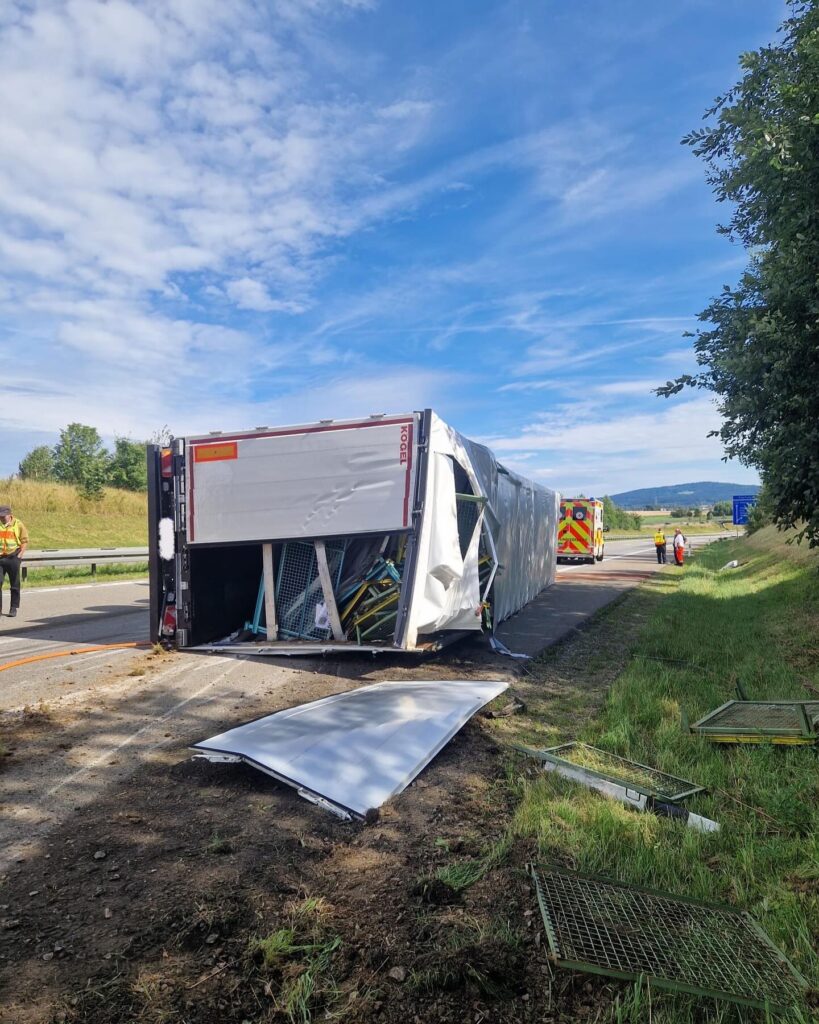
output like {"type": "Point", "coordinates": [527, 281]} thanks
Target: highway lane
{"type": "Point", "coordinates": [54, 619]}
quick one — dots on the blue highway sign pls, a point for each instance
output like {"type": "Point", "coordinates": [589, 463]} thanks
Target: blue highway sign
{"type": "Point", "coordinates": [742, 502]}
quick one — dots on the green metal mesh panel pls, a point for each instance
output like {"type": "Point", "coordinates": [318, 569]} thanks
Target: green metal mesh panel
{"type": "Point", "coordinates": [628, 773]}
{"type": "Point", "coordinates": [758, 715]}
{"type": "Point", "coordinates": [298, 588]}
{"type": "Point", "coordinates": [608, 928]}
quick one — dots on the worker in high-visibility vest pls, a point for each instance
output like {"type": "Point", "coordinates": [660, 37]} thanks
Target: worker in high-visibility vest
{"type": "Point", "coordinates": [659, 544]}
{"type": "Point", "coordinates": [13, 544]}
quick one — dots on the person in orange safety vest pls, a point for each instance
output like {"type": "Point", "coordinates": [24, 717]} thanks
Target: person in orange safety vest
{"type": "Point", "coordinates": [13, 544]}
{"type": "Point", "coordinates": [679, 547]}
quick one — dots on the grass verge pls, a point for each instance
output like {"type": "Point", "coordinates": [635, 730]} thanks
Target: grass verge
{"type": "Point", "coordinates": [691, 528]}
{"type": "Point", "coordinates": [57, 517]}
{"type": "Point", "coordinates": [106, 573]}
{"type": "Point", "coordinates": [703, 630]}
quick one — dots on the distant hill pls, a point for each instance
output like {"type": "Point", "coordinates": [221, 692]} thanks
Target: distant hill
{"type": "Point", "coordinates": [702, 492]}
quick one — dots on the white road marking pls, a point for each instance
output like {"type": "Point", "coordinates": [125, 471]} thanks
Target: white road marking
{"type": "Point", "coordinates": [86, 586]}
{"type": "Point", "coordinates": [152, 724]}
{"type": "Point", "coordinates": [77, 696]}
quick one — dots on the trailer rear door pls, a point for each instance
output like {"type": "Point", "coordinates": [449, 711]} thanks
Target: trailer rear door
{"type": "Point", "coordinates": [321, 480]}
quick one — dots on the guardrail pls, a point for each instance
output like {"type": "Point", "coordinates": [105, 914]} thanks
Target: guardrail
{"type": "Point", "coordinates": [82, 556]}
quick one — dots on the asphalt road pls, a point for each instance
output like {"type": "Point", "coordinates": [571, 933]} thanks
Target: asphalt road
{"type": "Point", "coordinates": [54, 619]}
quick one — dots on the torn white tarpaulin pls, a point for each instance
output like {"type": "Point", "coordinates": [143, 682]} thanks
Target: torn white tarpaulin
{"type": "Point", "coordinates": [352, 751]}
{"type": "Point", "coordinates": [520, 519]}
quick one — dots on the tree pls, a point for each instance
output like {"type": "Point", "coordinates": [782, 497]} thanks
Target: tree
{"type": "Point", "coordinates": [617, 518]}
{"type": "Point", "coordinates": [38, 464]}
{"type": "Point", "coordinates": [722, 508]}
{"type": "Point", "coordinates": [760, 513]}
{"type": "Point", "coordinates": [80, 458]}
{"type": "Point", "coordinates": [127, 467]}
{"type": "Point", "coordinates": [760, 354]}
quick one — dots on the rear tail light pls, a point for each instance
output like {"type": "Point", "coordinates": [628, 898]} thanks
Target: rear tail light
{"type": "Point", "coordinates": [166, 462]}
{"type": "Point", "coordinates": [169, 620]}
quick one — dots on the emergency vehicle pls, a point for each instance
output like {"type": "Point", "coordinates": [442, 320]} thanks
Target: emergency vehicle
{"type": "Point", "coordinates": [580, 531]}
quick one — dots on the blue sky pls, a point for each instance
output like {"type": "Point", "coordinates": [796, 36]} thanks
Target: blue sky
{"type": "Point", "coordinates": [218, 214]}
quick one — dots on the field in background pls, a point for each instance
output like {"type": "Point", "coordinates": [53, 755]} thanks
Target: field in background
{"type": "Point", "coordinates": [56, 516]}
{"type": "Point", "coordinates": [690, 527]}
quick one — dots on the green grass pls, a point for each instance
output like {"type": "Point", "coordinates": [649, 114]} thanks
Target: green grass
{"type": "Point", "coordinates": [708, 629]}
{"type": "Point", "coordinates": [84, 530]}
{"type": "Point", "coordinates": [58, 576]}
{"type": "Point", "coordinates": [468, 950]}
{"type": "Point", "coordinates": [300, 957]}
{"type": "Point", "coordinates": [57, 517]}
{"type": "Point", "coordinates": [757, 624]}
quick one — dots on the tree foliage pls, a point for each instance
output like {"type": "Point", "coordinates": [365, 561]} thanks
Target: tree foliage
{"type": "Point", "coordinates": [127, 468]}
{"type": "Point", "coordinates": [38, 464]}
{"type": "Point", "coordinates": [80, 457]}
{"type": "Point", "coordinates": [617, 518]}
{"type": "Point", "coordinates": [760, 354]}
{"type": "Point", "coordinates": [760, 513]}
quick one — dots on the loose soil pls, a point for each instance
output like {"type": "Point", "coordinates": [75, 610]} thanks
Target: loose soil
{"type": "Point", "coordinates": [149, 904]}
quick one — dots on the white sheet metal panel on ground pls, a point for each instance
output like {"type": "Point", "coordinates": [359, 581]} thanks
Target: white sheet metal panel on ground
{"type": "Point", "coordinates": [352, 751]}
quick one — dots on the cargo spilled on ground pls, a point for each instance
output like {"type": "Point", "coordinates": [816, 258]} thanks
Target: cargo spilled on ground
{"type": "Point", "coordinates": [219, 894]}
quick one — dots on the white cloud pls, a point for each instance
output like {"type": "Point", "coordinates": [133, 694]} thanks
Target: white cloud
{"type": "Point", "coordinates": [625, 450]}
{"type": "Point", "coordinates": [627, 387]}
{"type": "Point", "coordinates": [250, 294]}
{"type": "Point", "coordinates": [136, 145]}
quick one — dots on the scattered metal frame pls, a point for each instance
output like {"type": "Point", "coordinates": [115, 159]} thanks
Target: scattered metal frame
{"type": "Point", "coordinates": [604, 927]}
{"type": "Point", "coordinates": [600, 764]}
{"type": "Point", "coordinates": [636, 785]}
{"type": "Point", "coordinates": [789, 722]}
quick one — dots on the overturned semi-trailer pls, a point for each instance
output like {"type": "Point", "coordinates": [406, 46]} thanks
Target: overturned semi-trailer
{"type": "Point", "coordinates": [386, 533]}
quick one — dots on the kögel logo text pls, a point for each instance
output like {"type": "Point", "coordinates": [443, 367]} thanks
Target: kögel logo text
{"type": "Point", "coordinates": [403, 449]}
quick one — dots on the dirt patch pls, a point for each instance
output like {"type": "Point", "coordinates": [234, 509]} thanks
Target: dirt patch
{"type": "Point", "coordinates": [19, 730]}
{"type": "Point", "coordinates": [197, 892]}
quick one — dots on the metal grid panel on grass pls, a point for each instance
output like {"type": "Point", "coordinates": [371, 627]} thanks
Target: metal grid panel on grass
{"type": "Point", "coordinates": [621, 770]}
{"type": "Point", "coordinates": [298, 588]}
{"type": "Point", "coordinates": [608, 928]}
{"type": "Point", "coordinates": [794, 718]}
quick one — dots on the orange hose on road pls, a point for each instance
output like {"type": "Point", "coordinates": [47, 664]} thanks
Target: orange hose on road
{"type": "Point", "coordinates": [78, 650]}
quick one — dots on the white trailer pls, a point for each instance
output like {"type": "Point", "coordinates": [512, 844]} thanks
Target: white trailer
{"type": "Point", "coordinates": [385, 533]}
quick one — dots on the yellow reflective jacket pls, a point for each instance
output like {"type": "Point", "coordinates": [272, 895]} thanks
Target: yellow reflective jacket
{"type": "Point", "coordinates": [659, 538]}
{"type": "Point", "coordinates": [12, 535]}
